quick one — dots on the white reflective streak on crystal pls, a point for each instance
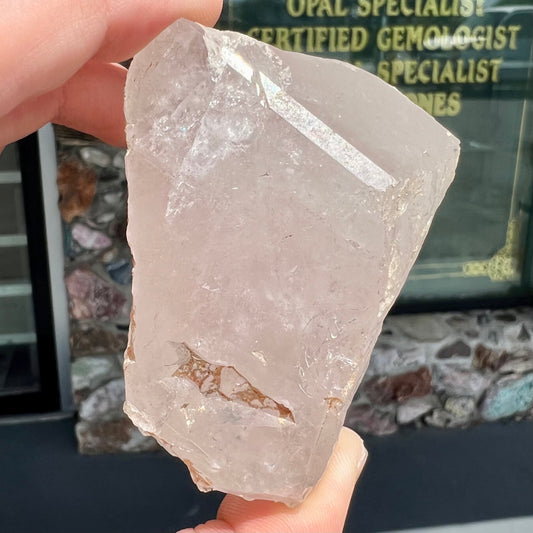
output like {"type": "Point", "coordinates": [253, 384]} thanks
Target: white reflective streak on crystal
{"type": "Point", "coordinates": [337, 147]}
{"type": "Point", "coordinates": [238, 64]}
{"type": "Point", "coordinates": [319, 133]}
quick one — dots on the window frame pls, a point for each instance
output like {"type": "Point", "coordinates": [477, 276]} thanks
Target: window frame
{"type": "Point", "coordinates": [45, 250]}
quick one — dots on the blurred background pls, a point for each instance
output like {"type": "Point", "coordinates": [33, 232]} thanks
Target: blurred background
{"type": "Point", "coordinates": [446, 407]}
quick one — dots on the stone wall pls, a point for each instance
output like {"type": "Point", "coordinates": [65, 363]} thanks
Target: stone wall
{"type": "Point", "coordinates": [447, 370]}
{"type": "Point", "coordinates": [444, 369]}
{"type": "Point", "coordinates": [93, 205]}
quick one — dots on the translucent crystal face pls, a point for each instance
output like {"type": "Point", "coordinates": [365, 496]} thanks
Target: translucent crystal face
{"type": "Point", "coordinates": [276, 204]}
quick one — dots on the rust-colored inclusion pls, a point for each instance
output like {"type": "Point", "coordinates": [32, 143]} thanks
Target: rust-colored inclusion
{"type": "Point", "coordinates": [208, 377]}
{"type": "Point", "coordinates": [334, 404]}
{"type": "Point", "coordinates": [129, 354]}
{"type": "Point", "coordinates": [202, 482]}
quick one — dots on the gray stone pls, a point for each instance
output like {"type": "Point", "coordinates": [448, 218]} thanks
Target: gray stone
{"type": "Point", "coordinates": [508, 397]}
{"type": "Point", "coordinates": [103, 210]}
{"type": "Point", "coordinates": [71, 246]}
{"type": "Point", "coordinates": [524, 352]}
{"type": "Point", "coordinates": [516, 334]}
{"type": "Point", "coordinates": [506, 318]}
{"type": "Point", "coordinates": [111, 255]}
{"type": "Point", "coordinates": [457, 381]}
{"type": "Point", "coordinates": [493, 336]}
{"type": "Point", "coordinates": [113, 198]}
{"type": "Point", "coordinates": [441, 418]}
{"type": "Point", "coordinates": [523, 334]}
{"type": "Point", "coordinates": [483, 319]}
{"type": "Point", "coordinates": [103, 219]}
{"type": "Point", "coordinates": [91, 372]}
{"type": "Point", "coordinates": [458, 321]}
{"type": "Point", "coordinates": [94, 156]}
{"type": "Point", "coordinates": [118, 160]}
{"type": "Point", "coordinates": [517, 365]}
{"type": "Point", "coordinates": [457, 349]}
{"type": "Point", "coordinates": [386, 360]}
{"type": "Point", "coordinates": [423, 328]}
{"type": "Point", "coordinates": [120, 271]}
{"type": "Point", "coordinates": [104, 403]}
{"type": "Point", "coordinates": [462, 407]}
{"type": "Point", "coordinates": [414, 408]}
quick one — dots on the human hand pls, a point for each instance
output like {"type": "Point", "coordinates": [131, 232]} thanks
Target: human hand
{"type": "Point", "coordinates": [58, 60]}
{"type": "Point", "coordinates": [323, 511]}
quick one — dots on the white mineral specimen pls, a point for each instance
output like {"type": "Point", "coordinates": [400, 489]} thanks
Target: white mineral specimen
{"type": "Point", "coordinates": [276, 204]}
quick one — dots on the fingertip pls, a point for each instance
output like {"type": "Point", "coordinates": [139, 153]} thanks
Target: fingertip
{"type": "Point", "coordinates": [132, 25]}
{"type": "Point", "coordinates": [351, 444]}
{"type": "Point", "coordinates": [324, 509]}
{"type": "Point", "coordinates": [213, 12]}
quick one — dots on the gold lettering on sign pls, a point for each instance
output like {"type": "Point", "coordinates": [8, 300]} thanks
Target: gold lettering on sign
{"type": "Point", "coordinates": [317, 8]}
{"type": "Point", "coordinates": [436, 71]}
{"type": "Point", "coordinates": [438, 25]}
{"type": "Point", "coordinates": [420, 8]}
{"type": "Point", "coordinates": [314, 39]}
{"type": "Point", "coordinates": [418, 38]}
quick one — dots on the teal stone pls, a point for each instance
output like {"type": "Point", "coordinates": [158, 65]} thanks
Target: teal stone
{"type": "Point", "coordinates": [508, 397]}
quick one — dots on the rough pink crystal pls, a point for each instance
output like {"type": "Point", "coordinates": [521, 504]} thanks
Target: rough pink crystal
{"type": "Point", "coordinates": [276, 204]}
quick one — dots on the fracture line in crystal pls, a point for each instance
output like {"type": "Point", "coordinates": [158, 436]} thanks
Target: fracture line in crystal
{"type": "Point", "coordinates": [319, 133]}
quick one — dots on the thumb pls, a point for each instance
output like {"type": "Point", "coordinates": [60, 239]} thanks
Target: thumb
{"type": "Point", "coordinates": [324, 509]}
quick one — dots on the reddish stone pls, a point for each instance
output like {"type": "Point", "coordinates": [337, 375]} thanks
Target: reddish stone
{"type": "Point", "coordinates": [365, 418]}
{"type": "Point", "coordinates": [77, 186]}
{"type": "Point", "coordinates": [92, 297]}
{"type": "Point", "coordinates": [485, 358]}
{"type": "Point", "coordinates": [112, 437]}
{"type": "Point", "coordinates": [90, 340]}
{"type": "Point", "coordinates": [387, 389]}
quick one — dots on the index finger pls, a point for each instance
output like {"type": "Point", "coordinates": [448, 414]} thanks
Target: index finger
{"type": "Point", "coordinates": [50, 41]}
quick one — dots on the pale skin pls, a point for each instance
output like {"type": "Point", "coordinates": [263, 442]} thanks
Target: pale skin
{"type": "Point", "coordinates": [59, 63]}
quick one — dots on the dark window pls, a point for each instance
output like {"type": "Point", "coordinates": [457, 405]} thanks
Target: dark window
{"type": "Point", "coordinates": [28, 376]}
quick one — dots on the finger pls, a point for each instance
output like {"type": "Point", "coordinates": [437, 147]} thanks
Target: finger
{"type": "Point", "coordinates": [213, 526]}
{"type": "Point", "coordinates": [91, 101]}
{"type": "Point", "coordinates": [324, 510]}
{"type": "Point", "coordinates": [132, 29]}
{"type": "Point", "coordinates": [49, 41]}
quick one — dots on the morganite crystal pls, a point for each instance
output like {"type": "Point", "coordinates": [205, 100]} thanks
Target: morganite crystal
{"type": "Point", "coordinates": [276, 204]}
